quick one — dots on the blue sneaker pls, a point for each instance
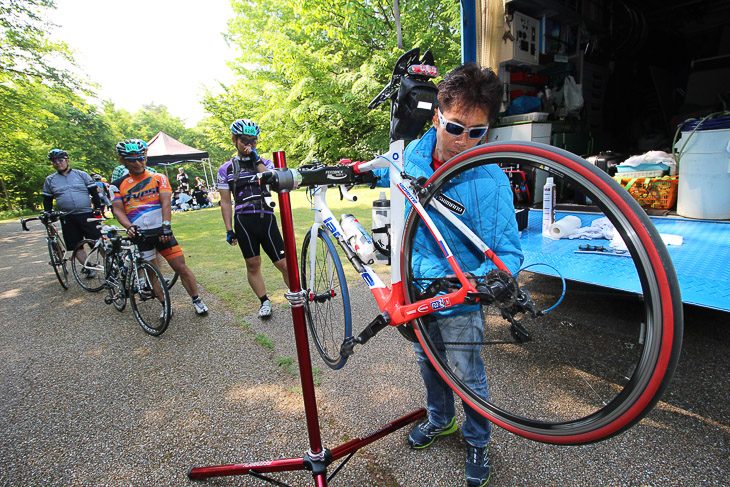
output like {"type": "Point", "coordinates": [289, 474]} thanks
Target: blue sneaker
{"type": "Point", "coordinates": [477, 469]}
{"type": "Point", "coordinates": [426, 433]}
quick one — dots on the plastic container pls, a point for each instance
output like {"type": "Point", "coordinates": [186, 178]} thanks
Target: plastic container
{"type": "Point", "coordinates": [704, 170]}
{"type": "Point", "coordinates": [548, 206]}
{"type": "Point", "coordinates": [358, 238]}
{"type": "Point", "coordinates": [381, 219]}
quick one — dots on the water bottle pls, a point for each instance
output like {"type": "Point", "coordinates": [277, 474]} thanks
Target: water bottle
{"type": "Point", "coordinates": [125, 266]}
{"type": "Point", "coordinates": [358, 238]}
{"type": "Point", "coordinates": [381, 219]}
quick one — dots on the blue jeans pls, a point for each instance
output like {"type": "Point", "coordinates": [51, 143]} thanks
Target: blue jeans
{"type": "Point", "coordinates": [466, 363]}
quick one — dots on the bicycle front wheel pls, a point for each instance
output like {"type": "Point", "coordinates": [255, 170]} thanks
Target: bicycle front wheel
{"type": "Point", "coordinates": [57, 253]}
{"type": "Point", "coordinates": [150, 300]}
{"type": "Point", "coordinates": [114, 284]}
{"type": "Point", "coordinates": [87, 264]}
{"type": "Point", "coordinates": [585, 375]}
{"type": "Point", "coordinates": [328, 301]}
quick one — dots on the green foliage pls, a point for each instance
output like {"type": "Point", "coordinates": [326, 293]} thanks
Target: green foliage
{"type": "Point", "coordinates": [25, 49]}
{"type": "Point", "coordinates": [34, 118]}
{"type": "Point", "coordinates": [308, 69]}
{"type": "Point", "coordinates": [264, 341]}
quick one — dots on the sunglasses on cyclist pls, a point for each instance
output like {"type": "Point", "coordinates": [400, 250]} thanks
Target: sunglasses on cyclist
{"type": "Point", "coordinates": [456, 129]}
{"type": "Point", "coordinates": [248, 140]}
{"type": "Point", "coordinates": [134, 159]}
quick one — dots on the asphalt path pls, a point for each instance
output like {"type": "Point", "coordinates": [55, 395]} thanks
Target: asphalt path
{"type": "Point", "coordinates": [88, 399]}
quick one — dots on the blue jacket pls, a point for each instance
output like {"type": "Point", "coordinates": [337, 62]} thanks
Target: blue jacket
{"type": "Point", "coordinates": [489, 212]}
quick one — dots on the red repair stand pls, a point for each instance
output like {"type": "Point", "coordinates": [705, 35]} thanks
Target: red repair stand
{"type": "Point", "coordinates": [317, 459]}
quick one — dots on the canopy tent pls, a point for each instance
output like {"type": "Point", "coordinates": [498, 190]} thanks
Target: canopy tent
{"type": "Point", "coordinates": [164, 150]}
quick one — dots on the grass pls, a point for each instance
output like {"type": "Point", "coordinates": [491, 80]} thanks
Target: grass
{"type": "Point", "coordinates": [17, 214]}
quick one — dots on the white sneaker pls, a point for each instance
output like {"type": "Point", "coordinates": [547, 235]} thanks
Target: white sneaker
{"type": "Point", "coordinates": [265, 309]}
{"type": "Point", "coordinates": [200, 307]}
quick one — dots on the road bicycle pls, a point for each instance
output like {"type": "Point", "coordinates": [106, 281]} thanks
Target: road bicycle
{"type": "Point", "coordinates": [129, 276]}
{"type": "Point", "coordinates": [56, 244]}
{"type": "Point", "coordinates": [553, 378]}
{"type": "Point", "coordinates": [88, 264]}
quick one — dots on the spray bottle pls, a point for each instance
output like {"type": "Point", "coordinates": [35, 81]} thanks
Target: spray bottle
{"type": "Point", "coordinates": [548, 206]}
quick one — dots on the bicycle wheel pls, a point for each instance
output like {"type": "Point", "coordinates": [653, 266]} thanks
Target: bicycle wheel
{"type": "Point", "coordinates": [150, 300]}
{"type": "Point", "coordinates": [57, 253]}
{"type": "Point", "coordinates": [90, 273]}
{"type": "Point", "coordinates": [114, 284]}
{"type": "Point", "coordinates": [170, 275]}
{"type": "Point", "coordinates": [583, 376]}
{"type": "Point", "coordinates": [328, 301]}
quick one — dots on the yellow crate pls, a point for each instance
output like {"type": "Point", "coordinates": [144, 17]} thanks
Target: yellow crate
{"type": "Point", "coordinates": [656, 193]}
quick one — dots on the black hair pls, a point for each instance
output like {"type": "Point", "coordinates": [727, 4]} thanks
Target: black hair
{"type": "Point", "coordinates": [470, 85]}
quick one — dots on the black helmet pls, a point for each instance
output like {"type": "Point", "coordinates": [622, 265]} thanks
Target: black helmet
{"type": "Point", "coordinates": [57, 154]}
{"type": "Point", "coordinates": [132, 147]}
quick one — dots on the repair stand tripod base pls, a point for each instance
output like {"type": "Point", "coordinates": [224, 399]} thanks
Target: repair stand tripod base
{"type": "Point", "coordinates": [318, 458]}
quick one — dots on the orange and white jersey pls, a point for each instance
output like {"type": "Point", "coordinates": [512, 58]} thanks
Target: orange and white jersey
{"type": "Point", "coordinates": [140, 196]}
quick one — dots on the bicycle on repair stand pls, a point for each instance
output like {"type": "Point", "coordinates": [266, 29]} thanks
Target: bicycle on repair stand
{"type": "Point", "coordinates": [613, 365]}
{"type": "Point", "coordinates": [56, 244]}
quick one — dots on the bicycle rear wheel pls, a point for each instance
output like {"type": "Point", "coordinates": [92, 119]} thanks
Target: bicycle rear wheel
{"type": "Point", "coordinates": [328, 300]}
{"type": "Point", "coordinates": [90, 273]}
{"type": "Point", "coordinates": [583, 376]}
{"type": "Point", "coordinates": [57, 253]}
{"type": "Point", "coordinates": [150, 300]}
{"type": "Point", "coordinates": [170, 275]}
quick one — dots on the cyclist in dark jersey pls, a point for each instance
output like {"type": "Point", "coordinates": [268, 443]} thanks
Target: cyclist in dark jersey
{"type": "Point", "coordinates": [254, 224]}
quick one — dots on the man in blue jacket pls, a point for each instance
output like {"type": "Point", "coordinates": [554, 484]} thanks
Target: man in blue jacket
{"type": "Point", "coordinates": [469, 97]}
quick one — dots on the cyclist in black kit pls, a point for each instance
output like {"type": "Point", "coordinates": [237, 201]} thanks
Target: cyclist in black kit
{"type": "Point", "coordinates": [254, 224]}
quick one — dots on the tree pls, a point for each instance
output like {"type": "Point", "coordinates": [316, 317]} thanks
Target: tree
{"type": "Point", "coordinates": [308, 69]}
{"type": "Point", "coordinates": [25, 49]}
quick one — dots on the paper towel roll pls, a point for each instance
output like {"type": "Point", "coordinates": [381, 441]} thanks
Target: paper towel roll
{"type": "Point", "coordinates": [564, 227]}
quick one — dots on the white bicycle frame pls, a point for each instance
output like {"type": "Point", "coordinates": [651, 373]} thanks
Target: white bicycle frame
{"type": "Point", "coordinates": [400, 191]}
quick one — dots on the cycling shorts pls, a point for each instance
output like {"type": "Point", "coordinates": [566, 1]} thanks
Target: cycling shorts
{"type": "Point", "coordinates": [254, 232]}
{"type": "Point", "coordinates": [151, 244]}
{"type": "Point", "coordinates": [76, 228]}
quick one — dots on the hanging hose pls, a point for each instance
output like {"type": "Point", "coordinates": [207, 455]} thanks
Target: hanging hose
{"type": "Point", "coordinates": [562, 294]}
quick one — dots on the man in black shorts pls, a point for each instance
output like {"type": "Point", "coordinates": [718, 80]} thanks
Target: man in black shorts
{"type": "Point", "coordinates": [254, 224]}
{"type": "Point", "coordinates": [74, 192]}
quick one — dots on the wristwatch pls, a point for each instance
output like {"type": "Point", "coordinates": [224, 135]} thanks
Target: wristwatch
{"type": "Point", "coordinates": [166, 223]}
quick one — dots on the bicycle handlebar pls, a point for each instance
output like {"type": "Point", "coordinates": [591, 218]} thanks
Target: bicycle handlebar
{"type": "Point", "coordinates": [44, 218]}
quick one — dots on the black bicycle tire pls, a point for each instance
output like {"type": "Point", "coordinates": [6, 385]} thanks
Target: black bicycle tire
{"type": "Point", "coordinates": [81, 280]}
{"type": "Point", "coordinates": [57, 261]}
{"type": "Point", "coordinates": [135, 296]}
{"type": "Point", "coordinates": [660, 354]}
{"type": "Point", "coordinates": [171, 282]}
{"type": "Point", "coordinates": [331, 354]}
{"type": "Point", "coordinates": [164, 267]}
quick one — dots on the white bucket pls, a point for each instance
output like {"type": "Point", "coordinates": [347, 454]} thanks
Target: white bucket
{"type": "Point", "coordinates": [704, 175]}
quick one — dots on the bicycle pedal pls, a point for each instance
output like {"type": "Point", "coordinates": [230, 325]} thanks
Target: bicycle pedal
{"type": "Point", "coordinates": [108, 300]}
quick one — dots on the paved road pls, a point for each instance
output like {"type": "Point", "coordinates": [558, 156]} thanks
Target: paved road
{"type": "Point", "coordinates": [87, 399]}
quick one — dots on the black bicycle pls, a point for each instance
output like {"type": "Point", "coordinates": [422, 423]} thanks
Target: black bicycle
{"type": "Point", "coordinates": [87, 264]}
{"type": "Point", "coordinates": [129, 276]}
{"type": "Point", "coordinates": [56, 244]}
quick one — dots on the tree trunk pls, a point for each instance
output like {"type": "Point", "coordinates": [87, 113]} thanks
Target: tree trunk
{"type": "Point", "coordinates": [8, 204]}
{"type": "Point", "coordinates": [398, 31]}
